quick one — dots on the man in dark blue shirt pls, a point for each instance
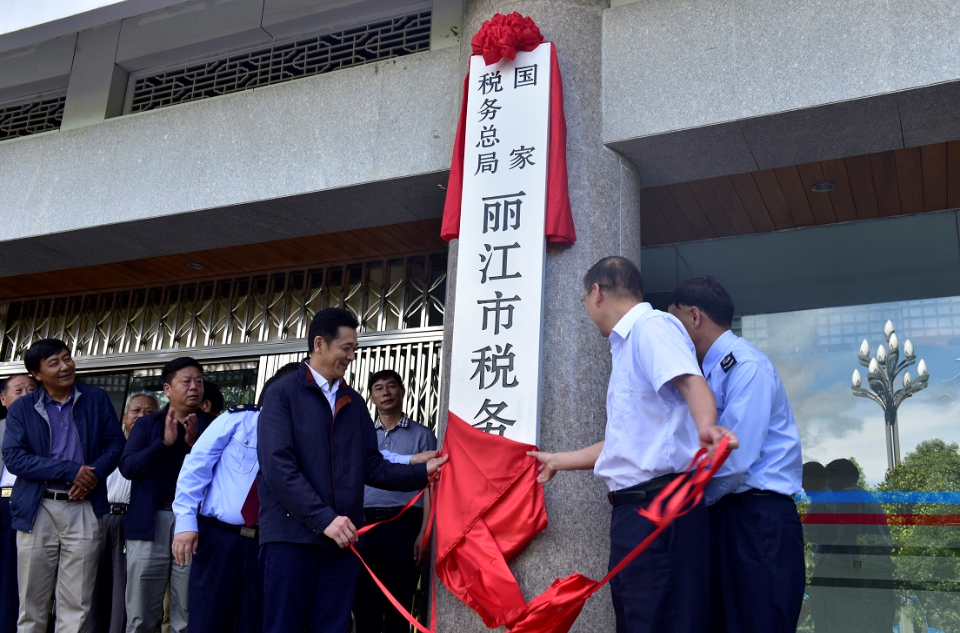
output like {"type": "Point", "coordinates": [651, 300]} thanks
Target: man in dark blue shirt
{"type": "Point", "coordinates": [151, 461]}
{"type": "Point", "coordinates": [317, 447]}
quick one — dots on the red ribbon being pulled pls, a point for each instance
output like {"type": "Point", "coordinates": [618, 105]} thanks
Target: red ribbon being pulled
{"type": "Point", "coordinates": [503, 36]}
{"type": "Point", "coordinates": [556, 609]}
{"type": "Point", "coordinates": [492, 507]}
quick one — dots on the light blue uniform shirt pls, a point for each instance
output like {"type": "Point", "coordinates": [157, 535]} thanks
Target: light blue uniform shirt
{"type": "Point", "coordinates": [752, 403]}
{"type": "Point", "coordinates": [219, 470]}
{"type": "Point", "coordinates": [221, 467]}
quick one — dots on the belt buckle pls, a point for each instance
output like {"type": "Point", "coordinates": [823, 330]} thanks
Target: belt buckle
{"type": "Point", "coordinates": [249, 532]}
{"type": "Point", "coordinates": [6, 493]}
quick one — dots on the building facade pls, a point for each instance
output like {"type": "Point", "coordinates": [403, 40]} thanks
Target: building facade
{"type": "Point", "coordinates": [199, 178]}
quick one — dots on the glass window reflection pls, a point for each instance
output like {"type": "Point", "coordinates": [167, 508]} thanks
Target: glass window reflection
{"type": "Point", "coordinates": [882, 545]}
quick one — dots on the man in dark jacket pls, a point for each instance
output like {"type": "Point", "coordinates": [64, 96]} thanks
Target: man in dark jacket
{"type": "Point", "coordinates": [61, 442]}
{"type": "Point", "coordinates": [151, 461]}
{"type": "Point", "coordinates": [317, 447]}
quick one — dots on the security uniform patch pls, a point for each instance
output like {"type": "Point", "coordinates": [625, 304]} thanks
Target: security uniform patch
{"type": "Point", "coordinates": [728, 362]}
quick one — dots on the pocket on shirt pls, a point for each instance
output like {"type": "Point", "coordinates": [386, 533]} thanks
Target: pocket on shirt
{"type": "Point", "coordinates": [241, 457]}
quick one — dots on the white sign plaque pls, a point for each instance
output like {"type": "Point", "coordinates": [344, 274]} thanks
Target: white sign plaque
{"type": "Point", "coordinates": [495, 376]}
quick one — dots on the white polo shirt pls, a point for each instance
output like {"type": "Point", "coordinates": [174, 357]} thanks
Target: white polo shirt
{"type": "Point", "coordinates": [649, 430]}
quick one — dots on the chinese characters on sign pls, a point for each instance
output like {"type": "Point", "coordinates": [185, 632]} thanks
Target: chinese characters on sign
{"type": "Point", "coordinates": [495, 379]}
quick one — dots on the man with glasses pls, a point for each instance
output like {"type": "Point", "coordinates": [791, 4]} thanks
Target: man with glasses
{"type": "Point", "coordinates": [655, 387]}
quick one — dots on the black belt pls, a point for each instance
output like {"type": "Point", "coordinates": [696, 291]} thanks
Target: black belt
{"type": "Point", "coordinates": [58, 495]}
{"type": "Point", "coordinates": [640, 492]}
{"type": "Point", "coordinates": [242, 530]}
{"type": "Point", "coordinates": [166, 505]}
{"type": "Point", "coordinates": [6, 493]}
{"type": "Point", "coordinates": [381, 514]}
{"type": "Point", "coordinates": [753, 492]}
{"type": "Point", "coordinates": [118, 508]}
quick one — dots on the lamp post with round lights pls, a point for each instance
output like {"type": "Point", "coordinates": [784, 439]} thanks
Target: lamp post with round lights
{"type": "Point", "coordinates": [882, 371]}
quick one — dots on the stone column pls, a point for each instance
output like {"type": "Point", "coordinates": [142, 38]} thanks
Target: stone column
{"type": "Point", "coordinates": [604, 190]}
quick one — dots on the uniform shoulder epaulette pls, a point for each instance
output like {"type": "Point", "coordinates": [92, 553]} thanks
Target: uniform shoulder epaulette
{"type": "Point", "coordinates": [728, 362]}
{"type": "Point", "coordinates": [242, 407]}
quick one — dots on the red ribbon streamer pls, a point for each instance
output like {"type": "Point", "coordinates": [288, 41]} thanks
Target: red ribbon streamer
{"type": "Point", "coordinates": [426, 539]}
{"type": "Point", "coordinates": [556, 609]}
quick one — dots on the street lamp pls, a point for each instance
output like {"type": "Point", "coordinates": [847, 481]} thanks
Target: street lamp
{"type": "Point", "coordinates": [882, 371]}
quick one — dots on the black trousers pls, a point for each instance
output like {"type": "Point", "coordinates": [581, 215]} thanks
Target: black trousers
{"type": "Point", "coordinates": [665, 589]}
{"type": "Point", "coordinates": [758, 572]}
{"type": "Point", "coordinates": [108, 611]}
{"type": "Point", "coordinates": [388, 549]}
{"type": "Point", "coordinates": [9, 600]}
{"type": "Point", "coordinates": [225, 590]}
{"type": "Point", "coordinates": [306, 588]}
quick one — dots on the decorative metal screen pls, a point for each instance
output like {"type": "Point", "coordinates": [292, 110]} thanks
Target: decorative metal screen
{"type": "Point", "coordinates": [417, 360]}
{"type": "Point", "coordinates": [31, 117]}
{"type": "Point", "coordinates": [385, 294]}
{"type": "Point", "coordinates": [372, 42]}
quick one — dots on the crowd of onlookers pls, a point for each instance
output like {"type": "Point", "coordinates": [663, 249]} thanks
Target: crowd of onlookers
{"type": "Point", "coordinates": [163, 516]}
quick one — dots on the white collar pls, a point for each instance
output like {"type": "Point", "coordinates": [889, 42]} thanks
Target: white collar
{"type": "Point", "coordinates": [323, 383]}
{"type": "Point", "coordinates": [625, 324]}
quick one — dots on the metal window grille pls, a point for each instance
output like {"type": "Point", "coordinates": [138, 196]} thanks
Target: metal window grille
{"type": "Point", "coordinates": [384, 294]}
{"type": "Point", "coordinates": [372, 42]}
{"type": "Point", "coordinates": [416, 358]}
{"type": "Point", "coordinates": [31, 117]}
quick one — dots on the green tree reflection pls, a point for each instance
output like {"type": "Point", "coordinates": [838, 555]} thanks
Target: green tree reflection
{"type": "Point", "coordinates": [926, 536]}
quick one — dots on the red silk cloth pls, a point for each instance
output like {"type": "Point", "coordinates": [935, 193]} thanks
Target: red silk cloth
{"type": "Point", "coordinates": [489, 507]}
{"type": "Point", "coordinates": [492, 507]}
{"type": "Point", "coordinates": [503, 36]}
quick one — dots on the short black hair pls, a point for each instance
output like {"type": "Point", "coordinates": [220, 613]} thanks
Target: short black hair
{"type": "Point", "coordinates": [385, 374]}
{"type": "Point", "coordinates": [616, 275]}
{"type": "Point", "coordinates": [709, 295]}
{"type": "Point", "coordinates": [212, 393]}
{"type": "Point", "coordinates": [286, 370]}
{"type": "Point", "coordinates": [842, 473]}
{"type": "Point", "coordinates": [170, 369]}
{"type": "Point", "coordinates": [814, 476]}
{"type": "Point", "coordinates": [327, 323]}
{"type": "Point", "coordinates": [41, 350]}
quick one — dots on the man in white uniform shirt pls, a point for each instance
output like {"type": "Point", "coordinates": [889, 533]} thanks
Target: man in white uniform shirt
{"type": "Point", "coordinates": [108, 613]}
{"type": "Point", "coordinates": [655, 388]}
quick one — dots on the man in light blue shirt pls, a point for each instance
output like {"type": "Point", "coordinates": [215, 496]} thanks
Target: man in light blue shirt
{"type": "Point", "coordinates": [216, 511]}
{"type": "Point", "coordinates": [756, 536]}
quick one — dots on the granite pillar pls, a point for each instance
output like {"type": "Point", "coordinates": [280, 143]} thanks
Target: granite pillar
{"type": "Point", "coordinates": [604, 191]}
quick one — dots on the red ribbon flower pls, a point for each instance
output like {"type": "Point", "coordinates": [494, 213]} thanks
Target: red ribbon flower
{"type": "Point", "coordinates": [503, 35]}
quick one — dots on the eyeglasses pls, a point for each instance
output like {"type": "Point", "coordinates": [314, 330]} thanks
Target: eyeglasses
{"type": "Point", "coordinates": [586, 293]}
